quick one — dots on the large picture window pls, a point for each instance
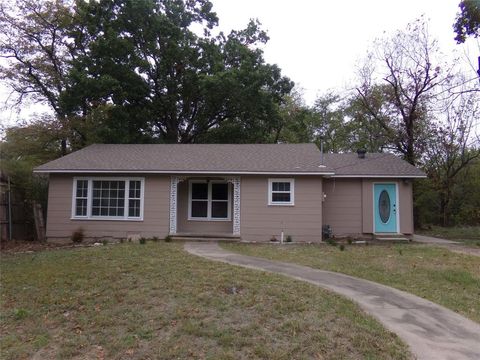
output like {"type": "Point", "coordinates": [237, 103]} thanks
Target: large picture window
{"type": "Point", "coordinates": [108, 198]}
{"type": "Point", "coordinates": [209, 200]}
{"type": "Point", "coordinates": [281, 191]}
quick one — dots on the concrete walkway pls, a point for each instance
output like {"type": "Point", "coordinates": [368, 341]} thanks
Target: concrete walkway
{"type": "Point", "coordinates": [432, 331]}
{"type": "Point", "coordinates": [451, 245]}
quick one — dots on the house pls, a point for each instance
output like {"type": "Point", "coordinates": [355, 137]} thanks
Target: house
{"type": "Point", "coordinates": [253, 192]}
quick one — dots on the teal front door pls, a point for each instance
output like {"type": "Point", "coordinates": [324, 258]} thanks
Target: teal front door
{"type": "Point", "coordinates": [385, 208]}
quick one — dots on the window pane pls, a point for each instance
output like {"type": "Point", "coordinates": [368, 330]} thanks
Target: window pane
{"type": "Point", "coordinates": [108, 198]}
{"type": "Point", "coordinates": [281, 186]}
{"type": "Point", "coordinates": [199, 209]}
{"type": "Point", "coordinates": [134, 191]}
{"type": "Point", "coordinates": [199, 191]}
{"type": "Point", "coordinates": [281, 197]}
{"type": "Point", "coordinates": [219, 191]}
{"type": "Point", "coordinates": [134, 208]}
{"type": "Point", "coordinates": [82, 188]}
{"type": "Point", "coordinates": [81, 207]}
{"type": "Point", "coordinates": [220, 209]}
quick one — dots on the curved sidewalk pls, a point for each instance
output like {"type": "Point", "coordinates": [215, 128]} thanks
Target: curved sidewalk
{"type": "Point", "coordinates": [432, 331]}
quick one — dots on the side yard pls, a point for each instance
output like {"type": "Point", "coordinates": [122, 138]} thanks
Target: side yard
{"type": "Point", "coordinates": [470, 235]}
{"type": "Point", "coordinates": [436, 274]}
{"type": "Point", "coordinates": [133, 301]}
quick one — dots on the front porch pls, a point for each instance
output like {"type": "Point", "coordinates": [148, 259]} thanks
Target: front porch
{"type": "Point", "coordinates": [205, 207]}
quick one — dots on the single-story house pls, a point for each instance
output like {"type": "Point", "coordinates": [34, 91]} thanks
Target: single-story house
{"type": "Point", "coordinates": [253, 192]}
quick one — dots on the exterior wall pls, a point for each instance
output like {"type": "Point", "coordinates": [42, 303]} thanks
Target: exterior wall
{"type": "Point", "coordinates": [195, 226]}
{"type": "Point", "coordinates": [348, 207]}
{"type": "Point", "coordinates": [60, 226]}
{"type": "Point", "coordinates": [302, 221]}
{"type": "Point", "coordinates": [342, 208]}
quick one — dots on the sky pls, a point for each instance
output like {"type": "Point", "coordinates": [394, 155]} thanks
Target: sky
{"type": "Point", "coordinates": [319, 43]}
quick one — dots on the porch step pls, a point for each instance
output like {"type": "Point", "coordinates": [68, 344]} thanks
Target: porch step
{"type": "Point", "coordinates": [191, 238]}
{"type": "Point", "coordinates": [391, 237]}
{"type": "Point", "coordinates": [205, 237]}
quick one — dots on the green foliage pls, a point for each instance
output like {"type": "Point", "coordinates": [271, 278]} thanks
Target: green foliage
{"type": "Point", "coordinates": [468, 20]}
{"type": "Point", "coordinates": [20, 314]}
{"type": "Point", "coordinates": [157, 80]}
{"type": "Point", "coordinates": [168, 238]}
{"type": "Point", "coordinates": [142, 240]}
{"type": "Point", "coordinates": [342, 247]}
{"type": "Point", "coordinates": [288, 238]}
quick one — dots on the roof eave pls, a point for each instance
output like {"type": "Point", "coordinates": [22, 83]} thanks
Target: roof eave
{"type": "Point", "coordinates": [202, 172]}
{"type": "Point", "coordinates": [404, 176]}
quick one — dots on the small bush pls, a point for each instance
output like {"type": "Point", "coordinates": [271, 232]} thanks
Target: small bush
{"type": "Point", "coordinates": [105, 242]}
{"type": "Point", "coordinates": [349, 241]}
{"type": "Point", "coordinates": [168, 238]}
{"type": "Point", "coordinates": [289, 238]}
{"type": "Point", "coordinates": [342, 247]}
{"type": "Point", "coordinates": [331, 241]}
{"type": "Point", "coordinates": [20, 314]}
{"type": "Point", "coordinates": [77, 236]}
{"type": "Point", "coordinates": [142, 240]}
{"type": "Point", "coordinates": [122, 240]}
{"type": "Point", "coordinates": [155, 238]}
{"type": "Point", "coordinates": [400, 251]}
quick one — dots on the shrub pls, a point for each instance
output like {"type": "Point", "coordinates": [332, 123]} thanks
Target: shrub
{"type": "Point", "coordinates": [77, 236]}
{"type": "Point", "coordinates": [331, 241]}
{"type": "Point", "coordinates": [168, 238]}
{"type": "Point", "coordinates": [105, 242]}
{"type": "Point", "coordinates": [289, 238]}
{"type": "Point", "coordinates": [155, 238]}
{"type": "Point", "coordinates": [142, 240]}
{"type": "Point", "coordinates": [349, 241]}
{"type": "Point", "coordinates": [342, 247]}
{"type": "Point", "coordinates": [20, 313]}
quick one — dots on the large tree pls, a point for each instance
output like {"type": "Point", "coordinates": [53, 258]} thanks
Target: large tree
{"type": "Point", "coordinates": [161, 79]}
{"type": "Point", "coordinates": [140, 70]}
{"type": "Point", "coordinates": [399, 82]}
{"type": "Point", "coordinates": [37, 51]}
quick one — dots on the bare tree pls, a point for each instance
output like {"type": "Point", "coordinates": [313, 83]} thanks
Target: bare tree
{"type": "Point", "coordinates": [453, 145]}
{"type": "Point", "coordinates": [404, 70]}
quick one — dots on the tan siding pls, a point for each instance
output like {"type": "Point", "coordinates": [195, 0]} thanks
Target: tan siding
{"type": "Point", "coordinates": [342, 208]}
{"type": "Point", "coordinates": [193, 226]}
{"type": "Point", "coordinates": [259, 221]}
{"type": "Point", "coordinates": [405, 197]}
{"type": "Point", "coordinates": [155, 219]}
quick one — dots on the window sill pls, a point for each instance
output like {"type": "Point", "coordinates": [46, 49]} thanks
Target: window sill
{"type": "Point", "coordinates": [209, 219]}
{"type": "Point", "coordinates": [106, 219]}
{"type": "Point", "coordinates": [280, 204]}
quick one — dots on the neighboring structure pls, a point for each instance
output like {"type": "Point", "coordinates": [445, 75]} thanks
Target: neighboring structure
{"type": "Point", "coordinates": [254, 192]}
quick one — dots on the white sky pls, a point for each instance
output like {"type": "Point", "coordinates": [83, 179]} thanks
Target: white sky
{"type": "Point", "coordinates": [317, 43]}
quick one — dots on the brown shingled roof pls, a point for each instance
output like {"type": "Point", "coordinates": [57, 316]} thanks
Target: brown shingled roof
{"type": "Point", "coordinates": [374, 164]}
{"type": "Point", "coordinates": [192, 158]}
{"type": "Point", "coordinates": [227, 159]}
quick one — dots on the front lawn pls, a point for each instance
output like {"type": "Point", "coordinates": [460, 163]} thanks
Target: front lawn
{"type": "Point", "coordinates": [437, 274]}
{"type": "Point", "coordinates": [155, 301]}
{"type": "Point", "coordinates": [470, 235]}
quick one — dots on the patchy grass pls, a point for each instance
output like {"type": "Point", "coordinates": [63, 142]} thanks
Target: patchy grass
{"type": "Point", "coordinates": [470, 235]}
{"type": "Point", "coordinates": [437, 274]}
{"type": "Point", "coordinates": [132, 301]}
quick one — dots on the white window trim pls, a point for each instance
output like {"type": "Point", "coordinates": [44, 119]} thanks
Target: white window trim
{"type": "Point", "coordinates": [292, 192]}
{"type": "Point", "coordinates": [89, 215]}
{"type": "Point", "coordinates": [209, 201]}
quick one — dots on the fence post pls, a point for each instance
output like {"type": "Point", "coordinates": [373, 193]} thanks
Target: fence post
{"type": "Point", "coordinates": [39, 223]}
